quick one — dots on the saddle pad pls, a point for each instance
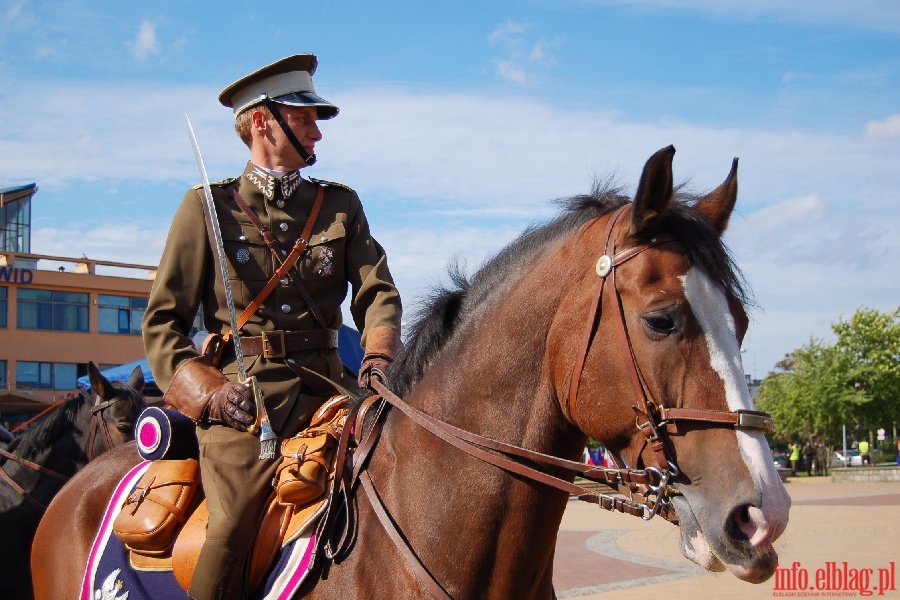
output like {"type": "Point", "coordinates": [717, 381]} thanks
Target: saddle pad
{"type": "Point", "coordinates": [109, 575]}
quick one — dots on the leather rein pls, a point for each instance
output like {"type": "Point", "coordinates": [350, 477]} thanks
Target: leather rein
{"type": "Point", "coordinates": [97, 422]}
{"type": "Point", "coordinates": [642, 492]}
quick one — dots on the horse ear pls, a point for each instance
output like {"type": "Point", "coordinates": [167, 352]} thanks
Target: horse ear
{"type": "Point", "coordinates": [716, 206]}
{"type": "Point", "coordinates": [99, 383]}
{"type": "Point", "coordinates": [136, 379]}
{"type": "Point", "coordinates": [654, 193]}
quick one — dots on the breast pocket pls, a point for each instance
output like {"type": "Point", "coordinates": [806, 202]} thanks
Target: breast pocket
{"type": "Point", "coordinates": [247, 258]}
{"type": "Point", "coordinates": [324, 258]}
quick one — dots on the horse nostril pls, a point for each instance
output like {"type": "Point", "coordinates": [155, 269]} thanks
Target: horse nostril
{"type": "Point", "coordinates": [749, 523]}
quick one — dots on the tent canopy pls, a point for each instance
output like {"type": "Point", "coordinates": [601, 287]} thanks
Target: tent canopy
{"type": "Point", "coordinates": [348, 348]}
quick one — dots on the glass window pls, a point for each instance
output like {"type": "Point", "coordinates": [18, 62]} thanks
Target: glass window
{"type": "Point", "coordinates": [34, 375]}
{"type": "Point", "coordinates": [49, 376]}
{"type": "Point", "coordinates": [3, 306]}
{"type": "Point", "coordinates": [2, 373]}
{"type": "Point", "coordinates": [120, 314]}
{"type": "Point", "coordinates": [54, 310]}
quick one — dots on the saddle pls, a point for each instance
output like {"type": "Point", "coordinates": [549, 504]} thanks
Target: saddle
{"type": "Point", "coordinates": [163, 521]}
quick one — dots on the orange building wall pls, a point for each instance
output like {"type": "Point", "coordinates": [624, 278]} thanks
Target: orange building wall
{"type": "Point", "coordinates": [64, 346]}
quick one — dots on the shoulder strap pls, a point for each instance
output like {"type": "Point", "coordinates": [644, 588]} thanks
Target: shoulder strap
{"type": "Point", "coordinates": [287, 260]}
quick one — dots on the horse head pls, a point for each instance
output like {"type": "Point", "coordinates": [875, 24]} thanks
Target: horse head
{"type": "Point", "coordinates": [663, 346]}
{"type": "Point", "coordinates": [115, 409]}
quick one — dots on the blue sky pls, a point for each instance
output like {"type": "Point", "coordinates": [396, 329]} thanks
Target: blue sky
{"type": "Point", "coordinates": [461, 120]}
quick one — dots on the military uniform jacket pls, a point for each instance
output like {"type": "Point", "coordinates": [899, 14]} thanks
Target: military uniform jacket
{"type": "Point", "coordinates": [341, 254]}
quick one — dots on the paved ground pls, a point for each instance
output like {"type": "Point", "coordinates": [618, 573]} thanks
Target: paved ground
{"type": "Point", "coordinates": [601, 555]}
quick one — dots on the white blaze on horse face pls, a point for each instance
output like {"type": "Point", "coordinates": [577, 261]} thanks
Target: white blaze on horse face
{"type": "Point", "coordinates": [710, 308]}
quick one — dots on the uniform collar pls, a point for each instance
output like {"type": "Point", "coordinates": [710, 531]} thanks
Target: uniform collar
{"type": "Point", "coordinates": [267, 181]}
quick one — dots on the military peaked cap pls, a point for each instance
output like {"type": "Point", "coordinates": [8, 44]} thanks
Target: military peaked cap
{"type": "Point", "coordinates": [287, 81]}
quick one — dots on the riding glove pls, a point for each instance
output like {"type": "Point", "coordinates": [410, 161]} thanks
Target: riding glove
{"type": "Point", "coordinates": [232, 405]}
{"type": "Point", "coordinates": [374, 366]}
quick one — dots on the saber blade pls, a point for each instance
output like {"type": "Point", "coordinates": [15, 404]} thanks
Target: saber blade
{"type": "Point", "coordinates": [220, 252]}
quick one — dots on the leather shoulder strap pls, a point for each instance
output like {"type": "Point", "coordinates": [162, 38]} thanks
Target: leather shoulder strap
{"type": "Point", "coordinates": [287, 260]}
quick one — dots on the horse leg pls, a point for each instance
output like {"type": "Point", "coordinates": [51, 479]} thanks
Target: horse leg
{"type": "Point", "coordinates": [63, 540]}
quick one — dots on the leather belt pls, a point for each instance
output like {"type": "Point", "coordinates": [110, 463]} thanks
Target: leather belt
{"type": "Point", "coordinates": [277, 344]}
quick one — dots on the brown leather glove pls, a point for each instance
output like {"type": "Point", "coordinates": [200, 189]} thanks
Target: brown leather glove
{"type": "Point", "coordinates": [374, 366]}
{"type": "Point", "coordinates": [232, 405]}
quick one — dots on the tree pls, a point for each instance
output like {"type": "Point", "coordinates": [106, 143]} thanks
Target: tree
{"type": "Point", "coordinates": [813, 396]}
{"type": "Point", "coordinates": [870, 342]}
{"type": "Point", "coordinates": [856, 380]}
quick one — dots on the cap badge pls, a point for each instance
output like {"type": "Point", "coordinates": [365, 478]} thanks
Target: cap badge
{"type": "Point", "coordinates": [242, 256]}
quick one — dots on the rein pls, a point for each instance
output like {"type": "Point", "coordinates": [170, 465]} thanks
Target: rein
{"type": "Point", "coordinates": [96, 420]}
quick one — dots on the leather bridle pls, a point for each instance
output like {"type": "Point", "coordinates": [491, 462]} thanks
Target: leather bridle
{"type": "Point", "coordinates": [97, 422]}
{"type": "Point", "coordinates": [643, 492]}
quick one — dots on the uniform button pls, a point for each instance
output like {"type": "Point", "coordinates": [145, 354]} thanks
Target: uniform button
{"type": "Point", "coordinates": [285, 281]}
{"type": "Point", "coordinates": [279, 203]}
{"type": "Point", "coordinates": [243, 238]}
{"type": "Point", "coordinates": [283, 227]}
{"type": "Point", "coordinates": [285, 308]}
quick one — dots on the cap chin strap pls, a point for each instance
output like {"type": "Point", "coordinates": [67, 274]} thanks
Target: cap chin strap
{"type": "Point", "coordinates": [309, 159]}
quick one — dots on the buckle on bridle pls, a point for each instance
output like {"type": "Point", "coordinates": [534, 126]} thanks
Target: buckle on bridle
{"type": "Point", "coordinates": [276, 349]}
{"type": "Point", "coordinates": [755, 420]}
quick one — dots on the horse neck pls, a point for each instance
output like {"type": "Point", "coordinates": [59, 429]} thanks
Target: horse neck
{"type": "Point", "coordinates": [489, 380]}
{"type": "Point", "coordinates": [65, 452]}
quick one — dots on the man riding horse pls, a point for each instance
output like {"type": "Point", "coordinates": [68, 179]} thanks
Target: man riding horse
{"type": "Point", "coordinates": [293, 245]}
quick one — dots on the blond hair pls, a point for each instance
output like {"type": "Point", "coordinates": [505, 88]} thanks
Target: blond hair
{"type": "Point", "coordinates": [243, 122]}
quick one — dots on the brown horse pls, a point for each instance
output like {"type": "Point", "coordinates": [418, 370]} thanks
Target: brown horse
{"type": "Point", "coordinates": [43, 458]}
{"type": "Point", "coordinates": [535, 352]}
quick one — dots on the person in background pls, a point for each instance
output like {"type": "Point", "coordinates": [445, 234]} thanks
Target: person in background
{"type": "Point", "coordinates": [864, 453]}
{"type": "Point", "coordinates": [821, 459]}
{"type": "Point", "coordinates": [795, 457]}
{"type": "Point", "coordinates": [809, 457]}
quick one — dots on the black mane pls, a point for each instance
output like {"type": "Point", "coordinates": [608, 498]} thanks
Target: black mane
{"type": "Point", "coordinates": [60, 421]}
{"type": "Point", "coordinates": [436, 322]}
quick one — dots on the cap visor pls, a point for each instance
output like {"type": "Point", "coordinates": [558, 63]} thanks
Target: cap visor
{"type": "Point", "coordinates": [325, 109]}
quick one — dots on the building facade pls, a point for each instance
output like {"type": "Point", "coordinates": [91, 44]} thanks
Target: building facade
{"type": "Point", "coordinates": [54, 320]}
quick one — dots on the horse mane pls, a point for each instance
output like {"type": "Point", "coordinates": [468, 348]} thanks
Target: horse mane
{"type": "Point", "coordinates": [440, 313]}
{"type": "Point", "coordinates": [60, 421]}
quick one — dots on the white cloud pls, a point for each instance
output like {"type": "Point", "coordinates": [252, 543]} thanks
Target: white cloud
{"type": "Point", "coordinates": [881, 15]}
{"type": "Point", "coordinates": [888, 128]}
{"type": "Point", "coordinates": [146, 43]}
{"type": "Point", "coordinates": [520, 54]}
{"type": "Point", "coordinates": [446, 175]}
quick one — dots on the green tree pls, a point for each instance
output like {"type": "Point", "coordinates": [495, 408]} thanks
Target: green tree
{"type": "Point", "coordinates": [813, 395]}
{"type": "Point", "coordinates": [870, 343]}
{"type": "Point", "coordinates": [855, 381]}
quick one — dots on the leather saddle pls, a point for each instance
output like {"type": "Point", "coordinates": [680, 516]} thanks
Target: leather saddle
{"type": "Point", "coordinates": [163, 521]}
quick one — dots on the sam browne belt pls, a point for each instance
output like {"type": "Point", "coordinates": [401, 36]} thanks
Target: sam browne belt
{"type": "Point", "coordinates": [277, 344]}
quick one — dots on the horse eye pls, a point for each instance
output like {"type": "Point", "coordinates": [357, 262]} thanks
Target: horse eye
{"type": "Point", "coordinates": [661, 323]}
{"type": "Point", "coordinates": [124, 428]}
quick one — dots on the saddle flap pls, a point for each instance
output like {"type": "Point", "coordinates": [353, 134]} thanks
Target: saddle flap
{"type": "Point", "coordinates": [159, 504]}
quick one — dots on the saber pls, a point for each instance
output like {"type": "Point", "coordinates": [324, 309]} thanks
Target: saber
{"type": "Point", "coordinates": [220, 251]}
{"type": "Point", "coordinates": [267, 436]}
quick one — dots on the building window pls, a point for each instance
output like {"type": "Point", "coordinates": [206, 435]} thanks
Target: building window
{"type": "Point", "coordinates": [2, 374]}
{"type": "Point", "coordinates": [50, 309]}
{"type": "Point", "coordinates": [49, 376]}
{"type": "Point", "coordinates": [120, 314]}
{"type": "Point", "coordinates": [3, 305]}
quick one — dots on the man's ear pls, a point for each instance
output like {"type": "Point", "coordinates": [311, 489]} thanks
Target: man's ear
{"type": "Point", "coordinates": [259, 121]}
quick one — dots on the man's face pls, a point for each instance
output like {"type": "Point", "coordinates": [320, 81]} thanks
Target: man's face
{"type": "Point", "coordinates": [302, 121]}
